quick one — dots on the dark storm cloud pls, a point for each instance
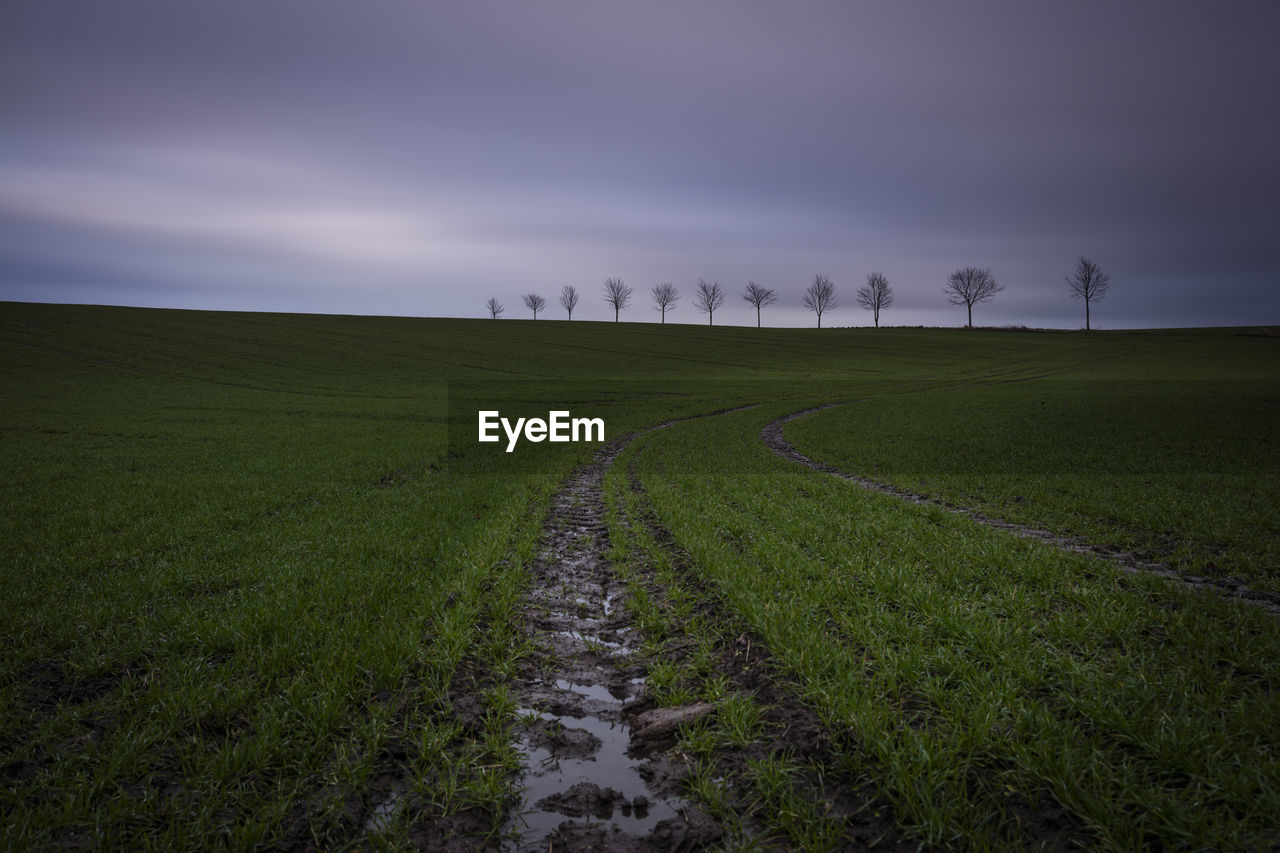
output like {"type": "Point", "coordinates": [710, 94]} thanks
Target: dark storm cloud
{"type": "Point", "coordinates": [415, 158]}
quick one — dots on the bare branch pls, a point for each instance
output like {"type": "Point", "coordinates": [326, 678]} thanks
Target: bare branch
{"type": "Point", "coordinates": [708, 298]}
{"type": "Point", "coordinates": [495, 307]}
{"type": "Point", "coordinates": [535, 302]}
{"type": "Point", "coordinates": [665, 296]}
{"type": "Point", "coordinates": [1089, 283]}
{"type": "Point", "coordinates": [820, 296]}
{"type": "Point", "coordinates": [876, 294]}
{"type": "Point", "coordinates": [969, 285]}
{"type": "Point", "coordinates": [616, 294]}
{"type": "Point", "coordinates": [569, 298]}
{"type": "Point", "coordinates": [759, 296]}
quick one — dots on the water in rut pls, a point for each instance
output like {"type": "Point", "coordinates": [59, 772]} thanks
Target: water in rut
{"type": "Point", "coordinates": [586, 782]}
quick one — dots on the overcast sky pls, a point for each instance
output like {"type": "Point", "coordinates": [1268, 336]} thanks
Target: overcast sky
{"type": "Point", "coordinates": [417, 158]}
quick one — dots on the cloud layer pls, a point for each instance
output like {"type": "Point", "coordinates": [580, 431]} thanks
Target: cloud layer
{"type": "Point", "coordinates": [404, 158]}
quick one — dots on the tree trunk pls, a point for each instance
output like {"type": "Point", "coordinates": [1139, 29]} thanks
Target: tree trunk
{"type": "Point", "coordinates": [1086, 315]}
{"type": "Point", "coordinates": [757, 316]}
{"type": "Point", "coordinates": [970, 307]}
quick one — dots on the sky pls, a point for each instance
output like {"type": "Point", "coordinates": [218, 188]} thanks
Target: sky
{"type": "Point", "coordinates": [416, 158]}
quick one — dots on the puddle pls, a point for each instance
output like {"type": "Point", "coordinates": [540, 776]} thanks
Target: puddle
{"type": "Point", "coordinates": [596, 691]}
{"type": "Point", "coordinates": [581, 787]}
{"type": "Point", "coordinates": [385, 813]}
{"type": "Point", "coordinates": [595, 641]}
{"type": "Point", "coordinates": [605, 786]}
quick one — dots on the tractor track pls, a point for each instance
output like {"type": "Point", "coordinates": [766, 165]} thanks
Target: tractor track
{"type": "Point", "coordinates": [594, 776]}
{"type": "Point", "coordinates": [603, 768]}
{"type": "Point", "coordinates": [1127, 561]}
{"type": "Point", "coordinates": [584, 786]}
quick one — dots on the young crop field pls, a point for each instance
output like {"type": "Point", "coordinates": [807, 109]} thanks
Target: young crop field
{"type": "Point", "coordinates": [264, 589]}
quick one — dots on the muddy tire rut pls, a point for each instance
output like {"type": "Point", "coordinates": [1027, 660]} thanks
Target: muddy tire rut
{"type": "Point", "coordinates": [1127, 561]}
{"type": "Point", "coordinates": [590, 782]}
{"type": "Point", "coordinates": [605, 768]}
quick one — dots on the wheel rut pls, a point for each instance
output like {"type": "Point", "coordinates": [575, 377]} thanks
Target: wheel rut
{"type": "Point", "coordinates": [1127, 561]}
{"type": "Point", "coordinates": [595, 777]}
{"type": "Point", "coordinates": [589, 782]}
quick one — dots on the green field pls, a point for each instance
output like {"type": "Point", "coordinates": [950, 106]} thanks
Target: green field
{"type": "Point", "coordinates": [251, 574]}
{"type": "Point", "coordinates": [1175, 469]}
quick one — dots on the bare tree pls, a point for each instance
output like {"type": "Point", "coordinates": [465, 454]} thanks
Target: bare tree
{"type": "Point", "coordinates": [821, 296]}
{"type": "Point", "coordinates": [759, 296]}
{"type": "Point", "coordinates": [495, 307]}
{"type": "Point", "coordinates": [968, 285]}
{"type": "Point", "coordinates": [665, 296]}
{"type": "Point", "coordinates": [534, 302]}
{"type": "Point", "coordinates": [1089, 283]}
{"type": "Point", "coordinates": [569, 298]}
{"type": "Point", "coordinates": [616, 294]}
{"type": "Point", "coordinates": [708, 298]}
{"type": "Point", "coordinates": [877, 293]}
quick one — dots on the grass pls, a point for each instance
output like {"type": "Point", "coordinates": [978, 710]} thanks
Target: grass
{"type": "Point", "coordinates": [757, 798]}
{"type": "Point", "coordinates": [247, 573]}
{"type": "Point", "coordinates": [1181, 470]}
{"type": "Point", "coordinates": [979, 675]}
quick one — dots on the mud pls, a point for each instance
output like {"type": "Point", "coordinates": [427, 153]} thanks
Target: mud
{"type": "Point", "coordinates": [46, 684]}
{"type": "Point", "coordinates": [595, 775]}
{"type": "Point", "coordinates": [1127, 561]}
{"type": "Point", "coordinates": [588, 783]}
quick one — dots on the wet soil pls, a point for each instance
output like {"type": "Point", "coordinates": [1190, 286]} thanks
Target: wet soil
{"type": "Point", "coordinates": [604, 767]}
{"type": "Point", "coordinates": [1128, 561]}
{"type": "Point", "coordinates": [590, 783]}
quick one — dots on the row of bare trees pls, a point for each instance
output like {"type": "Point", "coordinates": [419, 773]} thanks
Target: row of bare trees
{"type": "Point", "coordinates": [966, 286]}
{"type": "Point", "coordinates": [708, 296]}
